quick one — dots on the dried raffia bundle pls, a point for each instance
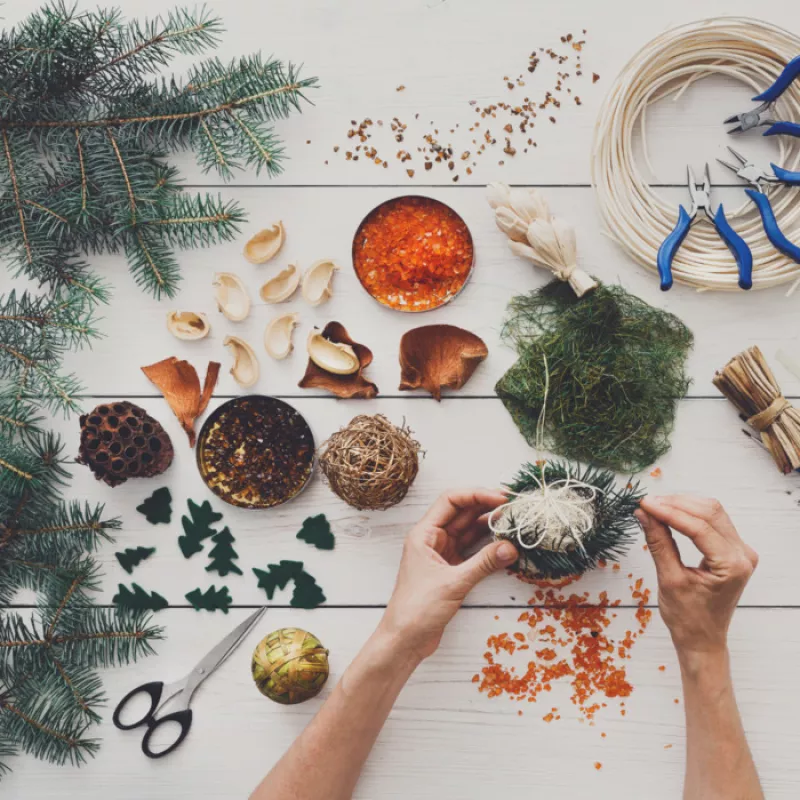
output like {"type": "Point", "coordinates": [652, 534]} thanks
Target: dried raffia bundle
{"type": "Point", "coordinates": [613, 363]}
{"type": "Point", "coordinates": [370, 463]}
{"type": "Point", "coordinates": [747, 381]}
{"type": "Point", "coordinates": [564, 520]}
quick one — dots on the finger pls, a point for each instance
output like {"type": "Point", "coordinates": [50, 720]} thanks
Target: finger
{"type": "Point", "coordinates": [662, 547]}
{"type": "Point", "coordinates": [712, 544]}
{"type": "Point", "coordinates": [487, 560]}
{"type": "Point", "coordinates": [457, 509]}
{"type": "Point", "coordinates": [708, 509]}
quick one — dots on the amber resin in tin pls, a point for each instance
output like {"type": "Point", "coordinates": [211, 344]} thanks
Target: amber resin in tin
{"type": "Point", "coordinates": [255, 452]}
{"type": "Point", "coordinates": [413, 253]}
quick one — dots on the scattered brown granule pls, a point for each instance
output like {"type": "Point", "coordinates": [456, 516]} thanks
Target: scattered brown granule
{"type": "Point", "coordinates": [667, 746]}
{"type": "Point", "coordinates": [400, 88]}
{"type": "Point", "coordinates": [410, 173]}
{"type": "Point", "coordinates": [595, 77]}
{"type": "Point", "coordinates": [656, 473]}
{"type": "Point", "coordinates": [662, 668]}
{"type": "Point", "coordinates": [677, 701]}
{"type": "Point", "coordinates": [598, 765]}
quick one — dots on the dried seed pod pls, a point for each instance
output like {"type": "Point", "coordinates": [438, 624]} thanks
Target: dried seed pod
{"type": "Point", "coordinates": [231, 296]}
{"type": "Point", "coordinates": [120, 441]}
{"type": "Point", "coordinates": [188, 325]}
{"type": "Point", "coordinates": [282, 286]}
{"type": "Point", "coordinates": [278, 335]}
{"type": "Point", "coordinates": [265, 244]}
{"type": "Point", "coordinates": [245, 364]}
{"type": "Point", "coordinates": [337, 358]}
{"type": "Point", "coordinates": [317, 282]}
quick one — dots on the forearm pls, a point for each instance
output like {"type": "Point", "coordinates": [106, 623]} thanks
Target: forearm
{"type": "Point", "coordinates": [326, 760]}
{"type": "Point", "coordinates": [719, 765]}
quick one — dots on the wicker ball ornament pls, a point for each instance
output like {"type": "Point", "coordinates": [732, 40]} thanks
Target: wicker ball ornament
{"type": "Point", "coordinates": [290, 666]}
{"type": "Point", "coordinates": [370, 463]}
{"type": "Point", "coordinates": [120, 441]}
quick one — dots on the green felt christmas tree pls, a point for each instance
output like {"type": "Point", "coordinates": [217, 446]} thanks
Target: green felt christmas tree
{"type": "Point", "coordinates": [222, 554]}
{"type": "Point", "coordinates": [307, 593]}
{"type": "Point", "coordinates": [133, 556]}
{"type": "Point", "coordinates": [317, 532]}
{"type": "Point", "coordinates": [158, 507]}
{"type": "Point", "coordinates": [197, 527]}
{"type": "Point", "coordinates": [212, 599]}
{"type": "Point", "coordinates": [137, 599]}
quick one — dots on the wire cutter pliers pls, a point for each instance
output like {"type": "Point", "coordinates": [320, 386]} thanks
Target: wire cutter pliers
{"type": "Point", "coordinates": [701, 201]}
{"type": "Point", "coordinates": [756, 176]}
{"type": "Point", "coordinates": [762, 115]}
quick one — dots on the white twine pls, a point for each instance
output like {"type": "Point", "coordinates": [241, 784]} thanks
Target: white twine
{"type": "Point", "coordinates": [638, 218]}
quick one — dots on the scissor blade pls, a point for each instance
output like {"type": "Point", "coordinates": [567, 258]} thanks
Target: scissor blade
{"type": "Point", "coordinates": [218, 654]}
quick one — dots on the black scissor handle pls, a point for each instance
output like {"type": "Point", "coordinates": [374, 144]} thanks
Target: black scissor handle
{"type": "Point", "coordinates": [182, 717]}
{"type": "Point", "coordinates": [154, 689]}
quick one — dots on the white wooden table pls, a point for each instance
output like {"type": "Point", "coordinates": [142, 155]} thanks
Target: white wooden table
{"type": "Point", "coordinates": [444, 739]}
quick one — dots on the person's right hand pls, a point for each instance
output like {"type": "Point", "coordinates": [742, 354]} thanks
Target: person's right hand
{"type": "Point", "coordinates": [696, 603]}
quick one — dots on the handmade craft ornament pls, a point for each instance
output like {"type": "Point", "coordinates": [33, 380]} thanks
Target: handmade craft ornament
{"type": "Point", "coordinates": [317, 282]}
{"type": "Point", "coordinates": [748, 382]}
{"type": "Point", "coordinates": [212, 599]}
{"type": "Point", "coordinates": [132, 557]}
{"type": "Point", "coordinates": [120, 441]}
{"type": "Point", "coordinates": [282, 286]}
{"type": "Point", "coordinates": [290, 666]}
{"type": "Point", "coordinates": [436, 357]}
{"type": "Point", "coordinates": [158, 507]}
{"type": "Point", "coordinates": [137, 599]}
{"type": "Point", "coordinates": [265, 245]}
{"type": "Point", "coordinates": [197, 527]}
{"type": "Point", "coordinates": [179, 383]}
{"type": "Point", "coordinates": [223, 555]}
{"type": "Point", "coordinates": [188, 325]}
{"type": "Point", "coordinates": [231, 296]}
{"type": "Point", "coordinates": [245, 369]}
{"type": "Point", "coordinates": [256, 452]}
{"type": "Point", "coordinates": [347, 385]}
{"type": "Point", "coordinates": [370, 463]}
{"type": "Point", "coordinates": [523, 215]}
{"type": "Point", "coordinates": [316, 531]}
{"type": "Point", "coordinates": [563, 520]}
{"type": "Point", "coordinates": [307, 593]}
{"type": "Point", "coordinates": [278, 335]}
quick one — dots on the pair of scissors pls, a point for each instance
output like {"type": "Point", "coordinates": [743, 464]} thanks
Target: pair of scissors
{"type": "Point", "coordinates": [763, 114]}
{"type": "Point", "coordinates": [182, 689]}
{"type": "Point", "coordinates": [701, 201]}
{"type": "Point", "coordinates": [757, 177]}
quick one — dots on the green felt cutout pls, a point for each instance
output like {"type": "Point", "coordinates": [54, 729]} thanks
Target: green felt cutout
{"type": "Point", "coordinates": [133, 556]}
{"type": "Point", "coordinates": [277, 576]}
{"type": "Point", "coordinates": [317, 531]}
{"type": "Point", "coordinates": [197, 527]}
{"type": "Point", "coordinates": [138, 599]}
{"type": "Point", "coordinates": [212, 599]}
{"type": "Point", "coordinates": [158, 507]}
{"type": "Point", "coordinates": [307, 593]}
{"type": "Point", "coordinates": [222, 554]}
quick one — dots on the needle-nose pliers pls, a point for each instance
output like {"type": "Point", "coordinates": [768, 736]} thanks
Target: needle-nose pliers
{"type": "Point", "coordinates": [757, 177]}
{"type": "Point", "coordinates": [762, 115]}
{"type": "Point", "coordinates": [701, 201]}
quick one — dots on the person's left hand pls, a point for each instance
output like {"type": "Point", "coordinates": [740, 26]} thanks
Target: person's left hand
{"type": "Point", "coordinates": [434, 577]}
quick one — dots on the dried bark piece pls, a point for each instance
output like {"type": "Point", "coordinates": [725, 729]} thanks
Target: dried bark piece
{"type": "Point", "coordinates": [179, 383]}
{"type": "Point", "coordinates": [350, 386]}
{"type": "Point", "coordinates": [435, 357]}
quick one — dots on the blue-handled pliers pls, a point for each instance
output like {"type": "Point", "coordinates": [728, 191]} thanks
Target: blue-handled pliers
{"type": "Point", "coordinates": [701, 201]}
{"type": "Point", "coordinates": [756, 176]}
{"type": "Point", "coordinates": [762, 115]}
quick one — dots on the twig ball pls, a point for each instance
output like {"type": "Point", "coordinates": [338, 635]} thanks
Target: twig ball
{"type": "Point", "coordinates": [290, 666]}
{"type": "Point", "coordinates": [370, 463]}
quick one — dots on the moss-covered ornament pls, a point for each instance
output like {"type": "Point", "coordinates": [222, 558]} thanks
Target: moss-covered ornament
{"type": "Point", "coordinates": [290, 666]}
{"type": "Point", "coordinates": [564, 519]}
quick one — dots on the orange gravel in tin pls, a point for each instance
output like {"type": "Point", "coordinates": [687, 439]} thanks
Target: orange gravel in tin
{"type": "Point", "coordinates": [413, 253]}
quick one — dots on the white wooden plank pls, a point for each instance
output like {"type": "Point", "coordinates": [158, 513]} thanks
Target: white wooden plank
{"type": "Point", "coordinates": [320, 223]}
{"type": "Point", "coordinates": [447, 54]}
{"type": "Point", "coordinates": [467, 443]}
{"type": "Point", "coordinates": [443, 739]}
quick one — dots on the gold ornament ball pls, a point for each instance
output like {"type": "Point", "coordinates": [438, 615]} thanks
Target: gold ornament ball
{"type": "Point", "coordinates": [290, 666]}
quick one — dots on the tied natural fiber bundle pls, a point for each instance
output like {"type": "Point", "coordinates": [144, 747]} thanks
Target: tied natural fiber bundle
{"type": "Point", "coordinates": [747, 381]}
{"type": "Point", "coordinates": [524, 216]}
{"type": "Point", "coordinates": [370, 463]}
{"type": "Point", "coordinates": [564, 520]}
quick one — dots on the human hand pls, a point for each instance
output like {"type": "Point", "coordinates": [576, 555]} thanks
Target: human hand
{"type": "Point", "coordinates": [696, 603]}
{"type": "Point", "coordinates": [434, 577]}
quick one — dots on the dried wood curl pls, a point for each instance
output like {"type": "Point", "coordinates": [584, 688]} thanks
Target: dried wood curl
{"type": "Point", "coordinates": [370, 463]}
